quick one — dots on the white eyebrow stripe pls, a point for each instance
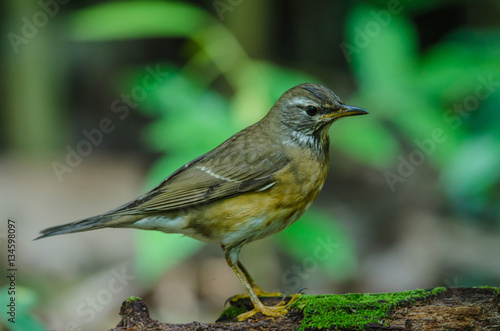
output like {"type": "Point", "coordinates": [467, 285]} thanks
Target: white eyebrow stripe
{"type": "Point", "coordinates": [211, 173]}
{"type": "Point", "coordinates": [302, 101]}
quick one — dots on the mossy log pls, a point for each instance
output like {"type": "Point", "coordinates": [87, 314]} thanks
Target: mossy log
{"type": "Point", "coordinates": [436, 309]}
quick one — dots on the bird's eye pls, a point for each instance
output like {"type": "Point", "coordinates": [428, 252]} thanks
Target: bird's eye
{"type": "Point", "coordinates": [311, 110]}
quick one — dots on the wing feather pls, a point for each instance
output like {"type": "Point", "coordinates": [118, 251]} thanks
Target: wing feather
{"type": "Point", "coordinates": [207, 179]}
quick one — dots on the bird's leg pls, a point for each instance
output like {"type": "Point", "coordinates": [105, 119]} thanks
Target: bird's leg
{"type": "Point", "coordinates": [256, 288]}
{"type": "Point", "coordinates": [232, 259]}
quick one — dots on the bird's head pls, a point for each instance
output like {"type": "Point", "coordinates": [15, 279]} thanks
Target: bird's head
{"type": "Point", "coordinates": [306, 111]}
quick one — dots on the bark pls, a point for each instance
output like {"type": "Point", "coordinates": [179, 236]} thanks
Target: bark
{"type": "Point", "coordinates": [450, 309]}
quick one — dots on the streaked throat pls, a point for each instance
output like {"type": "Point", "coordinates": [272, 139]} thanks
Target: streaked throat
{"type": "Point", "coordinates": [317, 142]}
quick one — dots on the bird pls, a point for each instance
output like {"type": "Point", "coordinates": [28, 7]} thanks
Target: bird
{"type": "Point", "coordinates": [255, 184]}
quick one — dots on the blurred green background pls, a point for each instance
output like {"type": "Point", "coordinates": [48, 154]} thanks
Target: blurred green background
{"type": "Point", "coordinates": [103, 99]}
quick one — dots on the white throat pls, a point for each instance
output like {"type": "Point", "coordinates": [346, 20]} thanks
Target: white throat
{"type": "Point", "coordinates": [301, 139]}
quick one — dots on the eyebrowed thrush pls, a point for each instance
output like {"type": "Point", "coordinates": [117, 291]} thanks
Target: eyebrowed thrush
{"type": "Point", "coordinates": [253, 185]}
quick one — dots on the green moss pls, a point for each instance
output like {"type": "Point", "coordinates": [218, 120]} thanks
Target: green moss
{"type": "Point", "coordinates": [436, 290]}
{"type": "Point", "coordinates": [230, 313]}
{"type": "Point", "coordinates": [494, 288]}
{"type": "Point", "coordinates": [353, 311]}
{"type": "Point", "coordinates": [345, 311]}
{"type": "Point", "coordinates": [132, 299]}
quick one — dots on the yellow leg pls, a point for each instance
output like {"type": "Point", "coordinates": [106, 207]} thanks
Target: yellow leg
{"type": "Point", "coordinates": [256, 288]}
{"type": "Point", "coordinates": [232, 259]}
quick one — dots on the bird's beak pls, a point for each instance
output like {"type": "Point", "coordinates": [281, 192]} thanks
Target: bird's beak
{"type": "Point", "coordinates": [345, 111]}
{"type": "Point", "coordinates": [351, 111]}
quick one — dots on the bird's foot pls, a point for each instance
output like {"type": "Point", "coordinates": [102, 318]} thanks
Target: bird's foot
{"type": "Point", "coordinates": [258, 291]}
{"type": "Point", "coordinates": [279, 310]}
{"type": "Point", "coordinates": [261, 293]}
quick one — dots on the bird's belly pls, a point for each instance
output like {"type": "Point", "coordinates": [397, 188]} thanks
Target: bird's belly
{"type": "Point", "coordinates": [242, 219]}
{"type": "Point", "coordinates": [253, 216]}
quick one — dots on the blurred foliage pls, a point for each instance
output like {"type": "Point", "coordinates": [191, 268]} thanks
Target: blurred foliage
{"type": "Point", "coordinates": [25, 300]}
{"type": "Point", "coordinates": [405, 90]}
{"type": "Point", "coordinates": [418, 93]}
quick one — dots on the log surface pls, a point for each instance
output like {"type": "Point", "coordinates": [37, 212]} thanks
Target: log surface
{"type": "Point", "coordinates": [451, 309]}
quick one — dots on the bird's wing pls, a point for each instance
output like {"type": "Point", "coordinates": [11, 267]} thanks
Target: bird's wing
{"type": "Point", "coordinates": [209, 178]}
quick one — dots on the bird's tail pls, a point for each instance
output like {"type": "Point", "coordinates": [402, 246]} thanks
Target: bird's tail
{"type": "Point", "coordinates": [92, 223]}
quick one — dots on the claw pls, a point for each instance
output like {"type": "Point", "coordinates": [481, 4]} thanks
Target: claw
{"type": "Point", "coordinates": [302, 290]}
{"type": "Point", "coordinates": [275, 311]}
{"type": "Point", "coordinates": [228, 299]}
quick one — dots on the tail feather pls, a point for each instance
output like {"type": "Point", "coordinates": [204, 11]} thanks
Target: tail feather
{"type": "Point", "coordinates": [92, 223]}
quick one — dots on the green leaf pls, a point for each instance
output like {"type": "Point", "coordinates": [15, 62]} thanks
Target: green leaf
{"type": "Point", "coordinates": [137, 19]}
{"type": "Point", "coordinates": [455, 68]}
{"type": "Point", "coordinates": [189, 116]}
{"type": "Point", "coordinates": [385, 53]}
